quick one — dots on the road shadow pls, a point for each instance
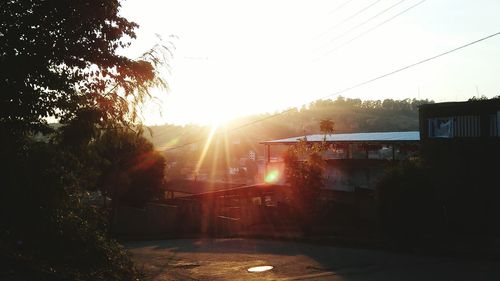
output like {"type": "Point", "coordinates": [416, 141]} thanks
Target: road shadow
{"type": "Point", "coordinates": [314, 260]}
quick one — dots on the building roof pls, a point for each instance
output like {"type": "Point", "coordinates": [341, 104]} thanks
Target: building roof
{"type": "Point", "coordinates": [260, 188]}
{"type": "Point", "coordinates": [462, 104]}
{"type": "Point", "coordinates": [448, 109]}
{"type": "Point", "coordinates": [380, 137]}
{"type": "Point", "coordinates": [197, 187]}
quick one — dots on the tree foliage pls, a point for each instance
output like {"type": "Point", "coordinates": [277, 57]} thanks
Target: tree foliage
{"type": "Point", "coordinates": [59, 59]}
{"type": "Point", "coordinates": [410, 208]}
{"type": "Point", "coordinates": [448, 194]}
{"type": "Point", "coordinates": [133, 171]}
{"type": "Point", "coordinates": [326, 126]}
{"type": "Point", "coordinates": [47, 230]}
{"type": "Point", "coordinates": [343, 115]}
{"type": "Point", "coordinates": [304, 169]}
{"type": "Point", "coordinates": [304, 176]}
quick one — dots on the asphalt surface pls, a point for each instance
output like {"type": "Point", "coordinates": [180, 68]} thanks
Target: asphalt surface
{"type": "Point", "coordinates": [229, 259]}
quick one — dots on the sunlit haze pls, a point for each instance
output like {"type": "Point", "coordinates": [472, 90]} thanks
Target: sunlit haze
{"type": "Point", "coordinates": [235, 58]}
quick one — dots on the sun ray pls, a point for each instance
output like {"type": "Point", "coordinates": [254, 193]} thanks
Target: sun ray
{"type": "Point", "coordinates": [226, 149]}
{"type": "Point", "coordinates": [205, 150]}
{"type": "Point", "coordinates": [215, 158]}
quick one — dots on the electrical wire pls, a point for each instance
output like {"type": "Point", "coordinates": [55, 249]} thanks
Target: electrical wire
{"type": "Point", "coordinates": [373, 28]}
{"type": "Point", "coordinates": [350, 87]}
{"type": "Point", "coordinates": [348, 19]}
{"type": "Point", "coordinates": [339, 7]}
{"type": "Point", "coordinates": [366, 21]}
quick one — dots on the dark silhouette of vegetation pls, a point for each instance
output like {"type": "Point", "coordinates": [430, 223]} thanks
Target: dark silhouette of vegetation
{"type": "Point", "coordinates": [133, 171]}
{"type": "Point", "coordinates": [409, 206]}
{"type": "Point", "coordinates": [47, 228]}
{"type": "Point", "coordinates": [326, 126]}
{"type": "Point", "coordinates": [304, 173]}
{"type": "Point", "coordinates": [446, 199]}
{"type": "Point", "coordinates": [59, 59]}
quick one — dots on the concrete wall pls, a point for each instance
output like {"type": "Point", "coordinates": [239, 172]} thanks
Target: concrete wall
{"type": "Point", "coordinates": [349, 174]}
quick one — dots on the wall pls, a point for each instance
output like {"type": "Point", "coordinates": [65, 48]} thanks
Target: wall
{"type": "Point", "coordinates": [351, 174]}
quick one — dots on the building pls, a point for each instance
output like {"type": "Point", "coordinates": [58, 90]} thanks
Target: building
{"type": "Point", "coordinates": [451, 120]}
{"type": "Point", "coordinates": [460, 148]}
{"type": "Point", "coordinates": [355, 161]}
{"type": "Point", "coordinates": [459, 140]}
{"type": "Point", "coordinates": [461, 136]}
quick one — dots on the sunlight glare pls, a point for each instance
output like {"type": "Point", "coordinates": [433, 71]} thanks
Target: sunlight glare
{"type": "Point", "coordinates": [169, 144]}
{"type": "Point", "coordinates": [272, 176]}
{"type": "Point", "coordinates": [260, 268]}
{"type": "Point", "coordinates": [205, 150]}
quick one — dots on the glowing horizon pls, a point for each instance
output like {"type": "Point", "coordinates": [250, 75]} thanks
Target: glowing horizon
{"type": "Point", "coordinates": [235, 59]}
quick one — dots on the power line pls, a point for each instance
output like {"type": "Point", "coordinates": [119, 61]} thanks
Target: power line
{"type": "Point", "coordinates": [413, 65]}
{"type": "Point", "coordinates": [351, 87]}
{"type": "Point", "coordinates": [348, 18]}
{"type": "Point", "coordinates": [183, 134]}
{"type": "Point", "coordinates": [373, 28]}
{"type": "Point", "coordinates": [339, 7]}
{"type": "Point", "coordinates": [366, 21]}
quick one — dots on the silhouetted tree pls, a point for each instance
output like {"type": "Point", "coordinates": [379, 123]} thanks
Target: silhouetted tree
{"type": "Point", "coordinates": [134, 170]}
{"type": "Point", "coordinates": [305, 178]}
{"type": "Point", "coordinates": [326, 126]}
{"type": "Point", "coordinates": [60, 59]}
{"type": "Point", "coordinates": [410, 207]}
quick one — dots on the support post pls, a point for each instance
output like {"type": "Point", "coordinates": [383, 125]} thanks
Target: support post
{"type": "Point", "coordinates": [268, 153]}
{"type": "Point", "coordinates": [268, 158]}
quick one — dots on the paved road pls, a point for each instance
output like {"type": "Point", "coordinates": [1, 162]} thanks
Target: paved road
{"type": "Point", "coordinates": [229, 259]}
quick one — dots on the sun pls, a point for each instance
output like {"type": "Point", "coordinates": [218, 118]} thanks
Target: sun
{"type": "Point", "coordinates": [212, 113]}
{"type": "Point", "coordinates": [217, 119]}
{"type": "Point", "coordinates": [205, 111]}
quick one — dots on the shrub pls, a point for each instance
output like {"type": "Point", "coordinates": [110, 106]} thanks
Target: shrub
{"type": "Point", "coordinates": [46, 231]}
{"type": "Point", "coordinates": [410, 209]}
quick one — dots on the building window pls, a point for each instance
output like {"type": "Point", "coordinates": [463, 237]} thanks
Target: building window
{"type": "Point", "coordinates": [441, 127]}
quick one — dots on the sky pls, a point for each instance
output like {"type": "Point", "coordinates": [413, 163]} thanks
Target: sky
{"type": "Point", "coordinates": [233, 58]}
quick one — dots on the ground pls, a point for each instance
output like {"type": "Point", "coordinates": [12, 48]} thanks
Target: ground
{"type": "Point", "coordinates": [229, 259]}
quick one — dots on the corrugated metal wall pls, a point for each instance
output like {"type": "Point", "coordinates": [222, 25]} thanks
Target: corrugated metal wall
{"type": "Point", "coordinates": [494, 125]}
{"type": "Point", "coordinates": [466, 126]}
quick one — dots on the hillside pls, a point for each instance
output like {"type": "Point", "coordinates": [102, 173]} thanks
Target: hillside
{"type": "Point", "coordinates": [233, 141]}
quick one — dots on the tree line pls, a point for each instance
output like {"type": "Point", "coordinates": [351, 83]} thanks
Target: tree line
{"type": "Point", "coordinates": [346, 115]}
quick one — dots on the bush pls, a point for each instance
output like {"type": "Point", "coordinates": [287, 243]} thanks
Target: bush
{"type": "Point", "coordinates": [46, 231]}
{"type": "Point", "coordinates": [410, 210]}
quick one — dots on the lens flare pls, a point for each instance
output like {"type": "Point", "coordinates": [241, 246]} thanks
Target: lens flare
{"type": "Point", "coordinates": [272, 176]}
{"type": "Point", "coordinates": [171, 143]}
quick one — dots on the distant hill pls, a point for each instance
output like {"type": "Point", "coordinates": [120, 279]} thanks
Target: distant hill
{"type": "Point", "coordinates": [349, 115]}
{"type": "Point", "coordinates": [181, 143]}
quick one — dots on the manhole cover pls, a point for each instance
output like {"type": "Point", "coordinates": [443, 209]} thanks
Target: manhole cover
{"type": "Point", "coordinates": [260, 268]}
{"type": "Point", "coordinates": [186, 264]}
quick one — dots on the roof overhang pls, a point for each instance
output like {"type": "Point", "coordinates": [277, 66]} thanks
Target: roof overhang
{"type": "Point", "coordinates": [366, 138]}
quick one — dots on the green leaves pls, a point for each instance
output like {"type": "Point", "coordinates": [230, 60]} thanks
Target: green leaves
{"type": "Point", "coordinates": [59, 57]}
